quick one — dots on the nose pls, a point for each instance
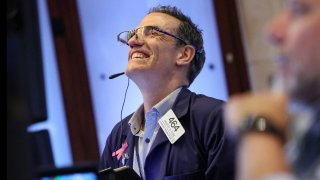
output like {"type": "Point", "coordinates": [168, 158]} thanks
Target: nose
{"type": "Point", "coordinates": [135, 40]}
{"type": "Point", "coordinates": [276, 29]}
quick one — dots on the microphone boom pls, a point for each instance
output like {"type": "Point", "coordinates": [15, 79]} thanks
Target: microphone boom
{"type": "Point", "coordinates": [116, 75]}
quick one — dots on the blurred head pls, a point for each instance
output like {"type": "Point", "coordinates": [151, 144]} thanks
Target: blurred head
{"type": "Point", "coordinates": [174, 42]}
{"type": "Point", "coordinates": [296, 34]}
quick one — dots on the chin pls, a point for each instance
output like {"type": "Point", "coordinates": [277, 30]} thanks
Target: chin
{"type": "Point", "coordinates": [130, 73]}
{"type": "Point", "coordinates": [133, 73]}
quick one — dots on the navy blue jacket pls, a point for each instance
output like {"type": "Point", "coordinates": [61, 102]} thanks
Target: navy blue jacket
{"type": "Point", "coordinates": [203, 152]}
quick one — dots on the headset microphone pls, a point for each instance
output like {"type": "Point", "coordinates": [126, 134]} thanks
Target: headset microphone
{"type": "Point", "coordinates": [124, 100]}
{"type": "Point", "coordinates": [116, 75]}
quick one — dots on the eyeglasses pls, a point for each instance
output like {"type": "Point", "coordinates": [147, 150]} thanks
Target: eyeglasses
{"type": "Point", "coordinates": [146, 31]}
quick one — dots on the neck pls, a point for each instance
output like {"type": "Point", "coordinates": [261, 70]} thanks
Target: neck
{"type": "Point", "coordinates": [154, 87]}
{"type": "Point", "coordinates": [154, 94]}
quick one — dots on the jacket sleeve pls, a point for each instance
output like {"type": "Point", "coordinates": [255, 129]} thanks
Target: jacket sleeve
{"type": "Point", "coordinates": [113, 143]}
{"type": "Point", "coordinates": [106, 157]}
{"type": "Point", "coordinates": [220, 146]}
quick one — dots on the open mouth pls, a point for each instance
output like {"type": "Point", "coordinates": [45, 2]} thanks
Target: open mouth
{"type": "Point", "coordinates": [139, 56]}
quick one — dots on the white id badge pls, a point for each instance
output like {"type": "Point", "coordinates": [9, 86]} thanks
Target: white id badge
{"type": "Point", "coordinates": [171, 126]}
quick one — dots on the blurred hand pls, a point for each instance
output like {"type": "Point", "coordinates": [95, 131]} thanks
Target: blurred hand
{"type": "Point", "coordinates": [269, 104]}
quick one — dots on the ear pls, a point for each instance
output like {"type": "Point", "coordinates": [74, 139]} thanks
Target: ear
{"type": "Point", "coordinates": [185, 55]}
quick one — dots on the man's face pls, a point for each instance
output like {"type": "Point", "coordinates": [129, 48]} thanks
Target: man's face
{"type": "Point", "coordinates": [152, 59]}
{"type": "Point", "coordinates": [296, 33]}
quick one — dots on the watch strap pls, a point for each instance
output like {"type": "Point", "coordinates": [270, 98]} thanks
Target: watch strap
{"type": "Point", "coordinates": [260, 124]}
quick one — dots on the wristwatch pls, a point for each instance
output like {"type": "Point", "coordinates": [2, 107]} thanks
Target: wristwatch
{"type": "Point", "coordinates": [261, 124]}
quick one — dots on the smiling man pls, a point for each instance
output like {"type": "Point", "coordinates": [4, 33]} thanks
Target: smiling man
{"type": "Point", "coordinates": [175, 133]}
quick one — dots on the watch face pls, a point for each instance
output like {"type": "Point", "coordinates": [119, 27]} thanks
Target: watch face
{"type": "Point", "coordinates": [260, 124]}
{"type": "Point", "coordinates": [257, 123]}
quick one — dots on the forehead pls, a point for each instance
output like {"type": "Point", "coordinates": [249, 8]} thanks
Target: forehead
{"type": "Point", "coordinates": [160, 20]}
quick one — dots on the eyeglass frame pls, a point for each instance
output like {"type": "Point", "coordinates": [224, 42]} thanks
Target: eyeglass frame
{"type": "Point", "coordinates": [159, 30]}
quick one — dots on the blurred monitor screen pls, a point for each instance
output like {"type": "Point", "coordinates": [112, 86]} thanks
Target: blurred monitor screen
{"type": "Point", "coordinates": [74, 176]}
{"type": "Point", "coordinates": [69, 173]}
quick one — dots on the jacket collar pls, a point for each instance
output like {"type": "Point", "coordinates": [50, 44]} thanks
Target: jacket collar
{"type": "Point", "coordinates": [181, 105]}
{"type": "Point", "coordinates": [180, 108]}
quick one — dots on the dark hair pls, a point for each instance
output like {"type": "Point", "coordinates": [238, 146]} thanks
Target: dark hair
{"type": "Point", "coordinates": [191, 34]}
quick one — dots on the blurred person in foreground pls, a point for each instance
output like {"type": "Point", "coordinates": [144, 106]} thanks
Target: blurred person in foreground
{"type": "Point", "coordinates": [175, 133]}
{"type": "Point", "coordinates": [273, 143]}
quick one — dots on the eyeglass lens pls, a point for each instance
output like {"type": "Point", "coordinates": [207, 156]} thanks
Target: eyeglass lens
{"type": "Point", "coordinates": [141, 31]}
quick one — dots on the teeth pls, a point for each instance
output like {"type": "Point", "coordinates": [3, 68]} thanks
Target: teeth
{"type": "Point", "coordinates": [138, 55]}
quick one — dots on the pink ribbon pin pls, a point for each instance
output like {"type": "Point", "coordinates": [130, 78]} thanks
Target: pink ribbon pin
{"type": "Point", "coordinates": [120, 151]}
